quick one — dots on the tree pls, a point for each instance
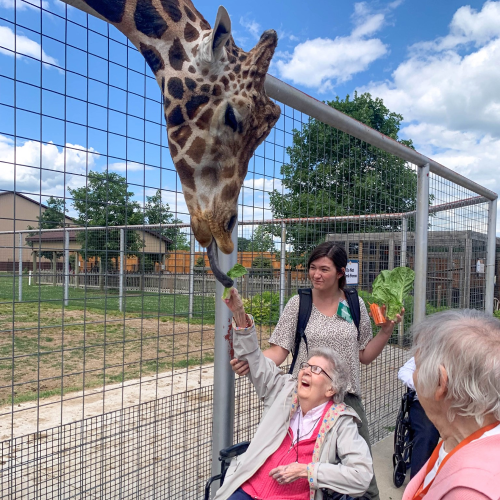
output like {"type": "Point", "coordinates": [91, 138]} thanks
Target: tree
{"type": "Point", "coordinates": [157, 212]}
{"type": "Point", "coordinates": [51, 218]}
{"type": "Point", "coordinates": [106, 201]}
{"type": "Point", "coordinates": [262, 240]}
{"type": "Point", "coordinates": [262, 266]}
{"type": "Point", "coordinates": [331, 174]}
{"type": "Point", "coordinates": [243, 244]}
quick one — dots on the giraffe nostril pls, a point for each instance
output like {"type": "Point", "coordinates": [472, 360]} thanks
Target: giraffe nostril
{"type": "Point", "coordinates": [231, 223]}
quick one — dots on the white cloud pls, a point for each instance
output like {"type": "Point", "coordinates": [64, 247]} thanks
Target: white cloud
{"type": "Point", "coordinates": [252, 26]}
{"type": "Point", "coordinates": [447, 91]}
{"type": "Point", "coordinates": [468, 26]}
{"type": "Point", "coordinates": [22, 45]}
{"type": "Point", "coordinates": [34, 160]}
{"type": "Point", "coordinates": [323, 62]}
{"type": "Point", "coordinates": [127, 167]}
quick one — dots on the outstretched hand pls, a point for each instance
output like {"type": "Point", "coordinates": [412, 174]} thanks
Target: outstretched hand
{"type": "Point", "coordinates": [388, 326]}
{"type": "Point", "coordinates": [235, 305]}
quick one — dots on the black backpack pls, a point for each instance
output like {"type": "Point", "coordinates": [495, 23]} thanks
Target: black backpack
{"type": "Point", "coordinates": [305, 308]}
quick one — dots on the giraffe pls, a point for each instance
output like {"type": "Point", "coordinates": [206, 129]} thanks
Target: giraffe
{"type": "Point", "coordinates": [216, 108]}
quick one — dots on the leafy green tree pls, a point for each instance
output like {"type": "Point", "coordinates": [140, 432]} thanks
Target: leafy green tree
{"type": "Point", "coordinates": [262, 240]}
{"type": "Point", "coordinates": [200, 265]}
{"type": "Point", "coordinates": [157, 212]}
{"type": "Point", "coordinates": [243, 244]}
{"type": "Point", "coordinates": [331, 173]}
{"type": "Point", "coordinates": [51, 218]}
{"type": "Point", "coordinates": [106, 201]}
{"type": "Point", "coordinates": [262, 266]}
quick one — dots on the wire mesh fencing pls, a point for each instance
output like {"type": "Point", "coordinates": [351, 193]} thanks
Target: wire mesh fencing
{"type": "Point", "coordinates": [107, 304]}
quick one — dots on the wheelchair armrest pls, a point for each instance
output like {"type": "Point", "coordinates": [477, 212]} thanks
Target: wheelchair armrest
{"type": "Point", "coordinates": [234, 451]}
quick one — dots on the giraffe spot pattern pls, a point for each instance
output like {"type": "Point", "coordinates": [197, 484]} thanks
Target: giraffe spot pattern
{"type": "Point", "coordinates": [173, 149]}
{"type": "Point", "coordinates": [177, 55]}
{"type": "Point", "coordinates": [194, 104]}
{"type": "Point", "coordinates": [242, 58]}
{"type": "Point", "coordinates": [189, 13]}
{"type": "Point", "coordinates": [209, 175]}
{"type": "Point", "coordinates": [148, 20]}
{"type": "Point", "coordinates": [181, 135]}
{"type": "Point", "coordinates": [190, 83]}
{"type": "Point", "coordinates": [205, 88]}
{"type": "Point", "coordinates": [197, 149]}
{"type": "Point", "coordinates": [203, 122]}
{"type": "Point", "coordinates": [237, 68]}
{"type": "Point", "coordinates": [213, 78]}
{"type": "Point", "coordinates": [171, 7]}
{"type": "Point", "coordinates": [217, 91]}
{"type": "Point", "coordinates": [192, 69]}
{"type": "Point", "coordinates": [152, 56]}
{"type": "Point", "coordinates": [204, 72]}
{"type": "Point", "coordinates": [162, 84]}
{"type": "Point", "coordinates": [224, 80]}
{"type": "Point", "coordinates": [166, 103]}
{"type": "Point", "coordinates": [175, 117]}
{"type": "Point", "coordinates": [175, 88]}
{"type": "Point", "coordinates": [194, 50]}
{"type": "Point", "coordinates": [227, 172]}
{"type": "Point", "coordinates": [186, 174]}
{"type": "Point", "coordinates": [112, 10]}
{"type": "Point", "coordinates": [204, 25]}
{"type": "Point", "coordinates": [191, 33]}
{"type": "Point", "coordinates": [230, 191]}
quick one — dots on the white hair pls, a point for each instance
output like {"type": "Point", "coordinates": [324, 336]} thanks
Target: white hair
{"type": "Point", "coordinates": [466, 343]}
{"type": "Point", "coordinates": [338, 370]}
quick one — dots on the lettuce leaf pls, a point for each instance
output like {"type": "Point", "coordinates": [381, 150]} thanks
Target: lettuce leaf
{"type": "Point", "coordinates": [237, 271]}
{"type": "Point", "coordinates": [392, 287]}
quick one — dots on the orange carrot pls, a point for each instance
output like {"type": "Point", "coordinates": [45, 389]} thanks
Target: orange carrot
{"type": "Point", "coordinates": [377, 315]}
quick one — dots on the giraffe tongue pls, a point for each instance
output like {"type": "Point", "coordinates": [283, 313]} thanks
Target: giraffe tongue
{"type": "Point", "coordinates": [222, 278]}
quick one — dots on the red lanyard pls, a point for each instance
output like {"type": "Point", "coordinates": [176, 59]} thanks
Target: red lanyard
{"type": "Point", "coordinates": [421, 492]}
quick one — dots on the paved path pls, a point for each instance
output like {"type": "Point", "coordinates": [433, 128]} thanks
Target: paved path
{"type": "Point", "coordinates": [382, 462]}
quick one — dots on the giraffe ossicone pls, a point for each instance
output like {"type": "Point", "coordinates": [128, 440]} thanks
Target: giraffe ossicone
{"type": "Point", "coordinates": [216, 109]}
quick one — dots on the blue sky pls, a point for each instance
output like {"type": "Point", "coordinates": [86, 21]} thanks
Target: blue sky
{"type": "Point", "coordinates": [435, 62]}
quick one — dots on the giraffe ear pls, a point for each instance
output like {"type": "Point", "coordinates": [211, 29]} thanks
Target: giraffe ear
{"type": "Point", "coordinates": [211, 46]}
{"type": "Point", "coordinates": [222, 30]}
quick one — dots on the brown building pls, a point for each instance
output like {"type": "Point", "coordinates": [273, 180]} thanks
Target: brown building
{"type": "Point", "coordinates": [17, 212]}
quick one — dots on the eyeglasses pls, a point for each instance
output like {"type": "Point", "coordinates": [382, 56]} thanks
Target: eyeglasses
{"type": "Point", "coordinates": [314, 369]}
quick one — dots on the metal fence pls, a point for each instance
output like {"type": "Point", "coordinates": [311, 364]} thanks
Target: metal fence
{"type": "Point", "coordinates": [108, 336]}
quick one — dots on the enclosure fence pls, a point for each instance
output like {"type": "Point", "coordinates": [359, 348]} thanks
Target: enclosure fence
{"type": "Point", "coordinates": [114, 345]}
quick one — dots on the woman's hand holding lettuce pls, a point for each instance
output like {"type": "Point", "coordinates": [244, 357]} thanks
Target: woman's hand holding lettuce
{"type": "Point", "coordinates": [391, 288]}
{"type": "Point", "coordinates": [237, 271]}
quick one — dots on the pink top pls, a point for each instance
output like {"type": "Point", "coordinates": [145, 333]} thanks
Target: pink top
{"type": "Point", "coordinates": [262, 486]}
{"type": "Point", "coordinates": [473, 473]}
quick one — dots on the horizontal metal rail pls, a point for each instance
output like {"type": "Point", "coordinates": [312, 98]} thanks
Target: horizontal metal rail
{"type": "Point", "coordinates": [452, 205]}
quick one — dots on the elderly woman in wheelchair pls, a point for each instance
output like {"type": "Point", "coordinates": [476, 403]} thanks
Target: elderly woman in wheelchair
{"type": "Point", "coordinates": [307, 445]}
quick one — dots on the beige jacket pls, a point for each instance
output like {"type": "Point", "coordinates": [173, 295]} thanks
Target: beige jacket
{"type": "Point", "coordinates": [343, 462]}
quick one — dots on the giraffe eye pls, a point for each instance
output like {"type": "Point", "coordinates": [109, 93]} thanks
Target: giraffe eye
{"type": "Point", "coordinates": [231, 223]}
{"type": "Point", "coordinates": [230, 118]}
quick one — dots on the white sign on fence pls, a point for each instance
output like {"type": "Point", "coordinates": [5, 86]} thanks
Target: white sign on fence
{"type": "Point", "coordinates": [352, 272]}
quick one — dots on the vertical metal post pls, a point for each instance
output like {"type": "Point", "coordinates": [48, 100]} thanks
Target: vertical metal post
{"type": "Point", "coordinates": [122, 269]}
{"type": "Point", "coordinates": [404, 240]}
{"type": "Point", "coordinates": [77, 269]}
{"type": "Point", "coordinates": [490, 257]}
{"type": "Point", "coordinates": [66, 267]}
{"type": "Point", "coordinates": [467, 268]}
{"type": "Point", "coordinates": [390, 263]}
{"type": "Point", "coordinates": [282, 267]}
{"type": "Point", "coordinates": [191, 274]}
{"type": "Point", "coordinates": [421, 243]}
{"type": "Point", "coordinates": [223, 411]}
{"type": "Point", "coordinates": [20, 267]}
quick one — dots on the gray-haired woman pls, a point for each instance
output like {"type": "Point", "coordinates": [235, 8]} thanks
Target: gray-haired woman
{"type": "Point", "coordinates": [307, 438]}
{"type": "Point", "coordinates": [457, 377]}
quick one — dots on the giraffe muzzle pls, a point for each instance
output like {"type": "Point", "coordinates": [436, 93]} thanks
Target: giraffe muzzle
{"type": "Point", "coordinates": [221, 277]}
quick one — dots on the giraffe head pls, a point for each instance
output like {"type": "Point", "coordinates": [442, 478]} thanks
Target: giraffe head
{"type": "Point", "coordinates": [217, 113]}
{"type": "Point", "coordinates": [216, 108]}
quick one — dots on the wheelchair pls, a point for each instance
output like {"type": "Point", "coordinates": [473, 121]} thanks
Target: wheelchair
{"type": "Point", "coordinates": [227, 454]}
{"type": "Point", "coordinates": [403, 440]}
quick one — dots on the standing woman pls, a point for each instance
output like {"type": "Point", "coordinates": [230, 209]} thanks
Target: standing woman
{"type": "Point", "coordinates": [325, 328]}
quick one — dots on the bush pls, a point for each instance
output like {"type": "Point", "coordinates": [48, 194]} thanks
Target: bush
{"type": "Point", "coordinates": [264, 307]}
{"type": "Point", "coordinates": [497, 314]}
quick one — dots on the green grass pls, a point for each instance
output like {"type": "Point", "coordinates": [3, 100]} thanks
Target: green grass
{"type": "Point", "coordinates": [92, 299]}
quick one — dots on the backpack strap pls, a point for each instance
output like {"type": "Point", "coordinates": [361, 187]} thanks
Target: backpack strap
{"type": "Point", "coordinates": [351, 296]}
{"type": "Point", "coordinates": [305, 308]}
